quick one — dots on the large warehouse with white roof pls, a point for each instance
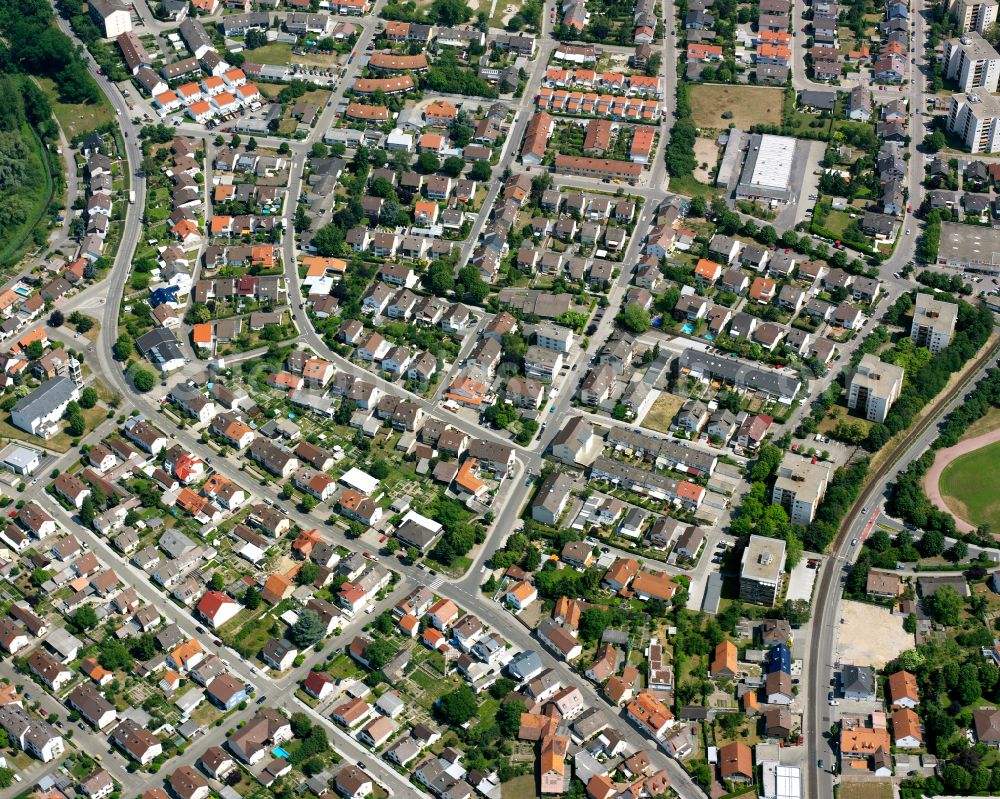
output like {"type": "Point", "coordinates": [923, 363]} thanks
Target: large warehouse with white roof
{"type": "Point", "coordinates": [767, 169]}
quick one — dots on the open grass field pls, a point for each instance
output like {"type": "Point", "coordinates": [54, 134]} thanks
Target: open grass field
{"type": "Point", "coordinates": [664, 409]}
{"type": "Point", "coordinates": [76, 120]}
{"type": "Point", "coordinates": [749, 105]}
{"type": "Point", "coordinates": [968, 485]}
{"type": "Point", "coordinates": [522, 787]}
{"type": "Point", "coordinates": [690, 186]}
{"type": "Point", "coordinates": [855, 789]}
{"type": "Point", "coordinates": [837, 221]}
{"type": "Point", "coordinates": [280, 54]}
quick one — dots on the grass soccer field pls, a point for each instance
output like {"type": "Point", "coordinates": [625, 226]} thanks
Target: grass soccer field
{"type": "Point", "coordinates": [968, 486]}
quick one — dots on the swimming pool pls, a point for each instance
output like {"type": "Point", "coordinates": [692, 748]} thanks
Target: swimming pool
{"type": "Point", "coordinates": [279, 752]}
{"type": "Point", "coordinates": [24, 291]}
{"type": "Point", "coordinates": [688, 329]}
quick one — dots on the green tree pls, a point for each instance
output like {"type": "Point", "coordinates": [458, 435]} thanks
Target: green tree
{"type": "Point", "coordinates": [301, 725]}
{"type": "Point", "coordinates": [453, 166]}
{"type": "Point", "coordinates": [76, 424]}
{"type": "Point", "coordinates": [931, 544]}
{"type": "Point", "coordinates": [458, 706]}
{"type": "Point", "coordinates": [450, 12]}
{"type": "Point", "coordinates": [251, 599]}
{"type": "Point", "coordinates": [480, 171]}
{"type": "Point", "coordinates": [508, 719]}
{"type": "Point", "coordinates": [380, 652]}
{"type": "Point", "coordinates": [88, 399]}
{"type": "Point", "coordinates": [428, 163]}
{"type": "Point", "coordinates": [84, 619]}
{"type": "Point", "coordinates": [307, 630]}
{"type": "Point", "coordinates": [114, 656]}
{"type": "Point", "coordinates": [944, 606]}
{"type": "Point", "coordinates": [35, 350]}
{"type": "Point", "coordinates": [6, 777]}
{"type": "Point", "coordinates": [143, 380]}
{"type": "Point", "coordinates": [217, 583]}
{"type": "Point", "coordinates": [307, 574]}
{"type": "Point", "coordinates": [959, 551]}
{"type": "Point", "coordinates": [87, 512]}
{"type": "Point", "coordinates": [123, 347]}
{"type": "Point", "coordinates": [795, 611]}
{"type": "Point", "coordinates": [438, 279]}
{"type": "Point", "coordinates": [635, 318]}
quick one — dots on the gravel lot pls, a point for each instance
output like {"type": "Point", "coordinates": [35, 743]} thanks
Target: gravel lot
{"type": "Point", "coordinates": [870, 635]}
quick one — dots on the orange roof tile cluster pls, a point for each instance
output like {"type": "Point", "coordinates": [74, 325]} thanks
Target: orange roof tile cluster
{"type": "Point", "coordinates": [276, 588]}
{"type": "Point", "coordinates": [725, 660]}
{"type": "Point", "coordinates": [466, 477]}
{"type": "Point", "coordinates": [609, 105]}
{"type": "Point", "coordinates": [650, 712]}
{"type": "Point", "coordinates": [702, 52]}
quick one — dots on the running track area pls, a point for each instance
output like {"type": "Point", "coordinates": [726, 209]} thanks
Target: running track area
{"type": "Point", "coordinates": [941, 460]}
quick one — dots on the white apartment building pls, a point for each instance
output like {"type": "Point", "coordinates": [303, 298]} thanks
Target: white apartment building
{"type": "Point", "coordinates": [975, 118]}
{"type": "Point", "coordinates": [974, 15]}
{"type": "Point", "coordinates": [554, 337]}
{"type": "Point", "coordinates": [762, 570]}
{"type": "Point", "coordinates": [933, 322]}
{"type": "Point", "coordinates": [972, 62]}
{"type": "Point", "coordinates": [874, 387]}
{"type": "Point", "coordinates": [800, 487]}
{"type": "Point", "coordinates": [112, 17]}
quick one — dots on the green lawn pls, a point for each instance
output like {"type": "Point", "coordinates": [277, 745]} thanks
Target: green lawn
{"type": "Point", "coordinates": [522, 787]}
{"type": "Point", "coordinates": [75, 119]}
{"type": "Point", "coordinates": [968, 485]}
{"type": "Point", "coordinates": [692, 188]}
{"type": "Point", "coordinates": [276, 53]}
{"type": "Point", "coordinates": [837, 221]}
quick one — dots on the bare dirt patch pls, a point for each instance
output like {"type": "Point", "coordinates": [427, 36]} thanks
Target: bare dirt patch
{"type": "Point", "coordinates": [706, 152]}
{"type": "Point", "coordinates": [870, 635]}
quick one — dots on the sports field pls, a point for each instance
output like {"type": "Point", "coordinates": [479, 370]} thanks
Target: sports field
{"type": "Point", "coordinates": [968, 486]}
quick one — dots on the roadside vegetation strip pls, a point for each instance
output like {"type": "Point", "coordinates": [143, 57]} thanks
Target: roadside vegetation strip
{"type": "Point", "coordinates": [12, 252]}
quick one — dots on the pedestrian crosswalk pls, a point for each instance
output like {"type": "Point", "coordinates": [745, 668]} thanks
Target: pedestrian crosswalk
{"type": "Point", "coordinates": [437, 581]}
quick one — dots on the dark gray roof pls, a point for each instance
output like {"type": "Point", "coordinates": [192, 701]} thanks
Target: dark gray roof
{"type": "Point", "coordinates": [46, 398]}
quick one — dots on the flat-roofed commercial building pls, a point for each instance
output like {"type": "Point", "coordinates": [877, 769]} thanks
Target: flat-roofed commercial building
{"type": "Point", "coordinates": [933, 322]}
{"type": "Point", "coordinates": [970, 247]}
{"type": "Point", "coordinates": [767, 169]}
{"type": "Point", "coordinates": [874, 386]}
{"type": "Point", "coordinates": [761, 570]}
